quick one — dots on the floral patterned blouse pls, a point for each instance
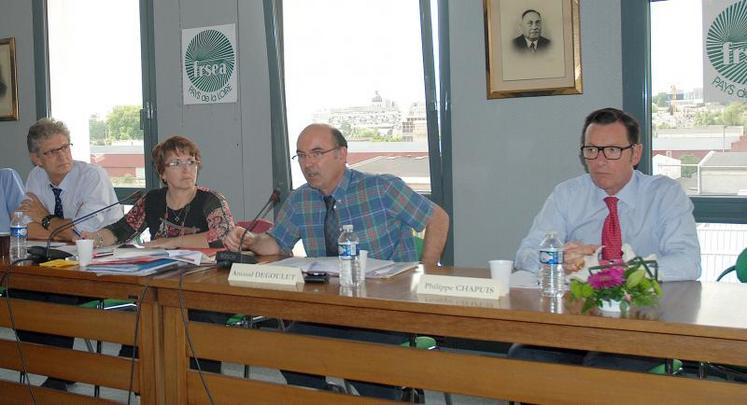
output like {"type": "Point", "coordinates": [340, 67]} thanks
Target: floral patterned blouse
{"type": "Point", "coordinates": [207, 212]}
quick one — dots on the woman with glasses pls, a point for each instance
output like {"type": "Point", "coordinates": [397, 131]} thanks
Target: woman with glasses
{"type": "Point", "coordinates": [180, 215]}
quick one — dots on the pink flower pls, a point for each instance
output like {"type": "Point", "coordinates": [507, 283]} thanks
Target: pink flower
{"type": "Point", "coordinates": [607, 278]}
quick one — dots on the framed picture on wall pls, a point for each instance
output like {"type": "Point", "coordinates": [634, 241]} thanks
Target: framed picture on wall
{"type": "Point", "coordinates": [8, 83]}
{"type": "Point", "coordinates": [533, 48]}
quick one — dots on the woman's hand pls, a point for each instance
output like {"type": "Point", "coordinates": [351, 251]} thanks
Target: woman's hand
{"type": "Point", "coordinates": [165, 243]}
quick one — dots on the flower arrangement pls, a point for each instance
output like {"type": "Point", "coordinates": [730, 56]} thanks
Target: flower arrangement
{"type": "Point", "coordinates": [629, 283]}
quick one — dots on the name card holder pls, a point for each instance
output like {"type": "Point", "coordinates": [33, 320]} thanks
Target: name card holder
{"type": "Point", "coordinates": [245, 273]}
{"type": "Point", "coordinates": [454, 286]}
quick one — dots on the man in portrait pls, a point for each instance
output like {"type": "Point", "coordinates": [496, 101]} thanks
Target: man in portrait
{"type": "Point", "coordinates": [531, 39]}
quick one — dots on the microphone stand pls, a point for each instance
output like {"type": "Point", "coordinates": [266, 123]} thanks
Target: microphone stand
{"type": "Point", "coordinates": [227, 258]}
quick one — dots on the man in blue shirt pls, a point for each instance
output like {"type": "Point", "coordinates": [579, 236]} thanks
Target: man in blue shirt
{"type": "Point", "coordinates": [11, 195]}
{"type": "Point", "coordinates": [654, 213]}
{"type": "Point", "coordinates": [383, 211]}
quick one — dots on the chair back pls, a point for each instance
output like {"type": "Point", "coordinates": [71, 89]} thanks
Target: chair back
{"type": "Point", "coordinates": [259, 226]}
{"type": "Point", "coordinates": [741, 266]}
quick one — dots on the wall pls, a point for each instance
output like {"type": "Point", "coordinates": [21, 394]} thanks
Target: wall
{"type": "Point", "coordinates": [234, 138]}
{"type": "Point", "coordinates": [508, 154]}
{"type": "Point", "coordinates": [16, 21]}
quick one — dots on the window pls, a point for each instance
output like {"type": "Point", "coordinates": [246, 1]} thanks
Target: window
{"type": "Point", "coordinates": [693, 111]}
{"type": "Point", "coordinates": [358, 65]}
{"type": "Point", "coordinates": [95, 83]}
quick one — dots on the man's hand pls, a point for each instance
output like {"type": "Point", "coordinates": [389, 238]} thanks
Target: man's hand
{"type": "Point", "coordinates": [231, 242]}
{"type": "Point", "coordinates": [574, 253]}
{"type": "Point", "coordinates": [33, 208]}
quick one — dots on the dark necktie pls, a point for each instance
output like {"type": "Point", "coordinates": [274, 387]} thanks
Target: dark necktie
{"type": "Point", "coordinates": [611, 234]}
{"type": "Point", "coordinates": [57, 202]}
{"type": "Point", "coordinates": [533, 46]}
{"type": "Point", "coordinates": [331, 227]}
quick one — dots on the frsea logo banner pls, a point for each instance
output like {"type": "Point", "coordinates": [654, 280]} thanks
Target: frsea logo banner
{"type": "Point", "coordinates": [209, 64]}
{"type": "Point", "coordinates": [725, 51]}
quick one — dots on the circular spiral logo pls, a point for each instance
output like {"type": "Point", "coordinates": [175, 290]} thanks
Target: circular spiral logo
{"type": "Point", "coordinates": [209, 60]}
{"type": "Point", "coordinates": [726, 42]}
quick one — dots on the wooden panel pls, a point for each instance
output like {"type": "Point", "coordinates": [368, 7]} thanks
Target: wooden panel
{"type": "Point", "coordinates": [70, 365]}
{"type": "Point", "coordinates": [497, 378]}
{"type": "Point", "coordinates": [230, 390]}
{"type": "Point", "coordinates": [175, 360]}
{"type": "Point", "coordinates": [151, 355]}
{"type": "Point", "coordinates": [18, 394]}
{"type": "Point", "coordinates": [69, 320]}
{"type": "Point", "coordinates": [76, 283]}
{"type": "Point", "coordinates": [640, 343]}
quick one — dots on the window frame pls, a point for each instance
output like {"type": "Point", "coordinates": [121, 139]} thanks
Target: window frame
{"type": "Point", "coordinates": [437, 100]}
{"type": "Point", "coordinates": [637, 95]}
{"type": "Point", "coordinates": [148, 120]}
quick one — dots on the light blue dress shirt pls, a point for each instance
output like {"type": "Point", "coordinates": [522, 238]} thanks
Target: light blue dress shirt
{"type": "Point", "coordinates": [11, 195]}
{"type": "Point", "coordinates": [655, 217]}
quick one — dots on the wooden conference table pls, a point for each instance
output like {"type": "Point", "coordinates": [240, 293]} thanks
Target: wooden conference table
{"type": "Point", "coordinates": [694, 321]}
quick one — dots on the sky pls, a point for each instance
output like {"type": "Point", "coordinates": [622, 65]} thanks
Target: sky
{"type": "Point", "coordinates": [676, 45]}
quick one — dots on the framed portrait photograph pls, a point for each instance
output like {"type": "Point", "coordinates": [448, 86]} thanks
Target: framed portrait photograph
{"type": "Point", "coordinates": [8, 83]}
{"type": "Point", "coordinates": [533, 48]}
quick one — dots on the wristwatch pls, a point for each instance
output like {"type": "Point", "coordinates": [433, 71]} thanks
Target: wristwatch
{"type": "Point", "coordinates": [45, 221]}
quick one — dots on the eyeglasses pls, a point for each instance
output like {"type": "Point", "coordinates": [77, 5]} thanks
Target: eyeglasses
{"type": "Point", "coordinates": [610, 152]}
{"type": "Point", "coordinates": [182, 163]}
{"type": "Point", "coordinates": [56, 151]}
{"type": "Point", "coordinates": [314, 154]}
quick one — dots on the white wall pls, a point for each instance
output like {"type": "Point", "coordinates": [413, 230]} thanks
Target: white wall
{"type": "Point", "coordinates": [508, 154]}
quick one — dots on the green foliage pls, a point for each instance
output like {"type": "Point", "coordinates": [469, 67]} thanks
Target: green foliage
{"type": "Point", "coordinates": [661, 100]}
{"type": "Point", "coordinates": [123, 122]}
{"type": "Point", "coordinates": [733, 114]}
{"type": "Point", "coordinates": [688, 171]}
{"type": "Point", "coordinates": [97, 130]}
{"type": "Point", "coordinates": [705, 118]}
{"type": "Point", "coordinates": [639, 289]}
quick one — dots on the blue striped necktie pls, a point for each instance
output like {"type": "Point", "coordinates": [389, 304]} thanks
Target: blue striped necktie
{"type": "Point", "coordinates": [57, 202]}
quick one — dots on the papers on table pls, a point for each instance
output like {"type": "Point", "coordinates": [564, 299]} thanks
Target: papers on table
{"type": "Point", "coordinates": [140, 262]}
{"type": "Point", "coordinates": [375, 268]}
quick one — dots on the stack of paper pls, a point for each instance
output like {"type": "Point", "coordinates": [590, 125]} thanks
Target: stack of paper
{"type": "Point", "coordinates": [138, 261]}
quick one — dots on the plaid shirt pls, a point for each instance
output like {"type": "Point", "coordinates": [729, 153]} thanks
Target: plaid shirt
{"type": "Point", "coordinates": [382, 209]}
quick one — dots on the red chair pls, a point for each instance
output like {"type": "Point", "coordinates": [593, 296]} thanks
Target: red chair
{"type": "Point", "coordinates": [260, 225]}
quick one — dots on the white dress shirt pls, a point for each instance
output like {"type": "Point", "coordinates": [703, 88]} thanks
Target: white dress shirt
{"type": "Point", "coordinates": [655, 217]}
{"type": "Point", "coordinates": [86, 188]}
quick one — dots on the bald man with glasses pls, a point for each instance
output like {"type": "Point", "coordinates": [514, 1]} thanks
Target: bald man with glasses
{"type": "Point", "coordinates": [615, 204]}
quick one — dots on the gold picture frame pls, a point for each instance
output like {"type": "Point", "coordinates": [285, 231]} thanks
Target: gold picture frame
{"type": "Point", "coordinates": [8, 80]}
{"type": "Point", "coordinates": [533, 48]}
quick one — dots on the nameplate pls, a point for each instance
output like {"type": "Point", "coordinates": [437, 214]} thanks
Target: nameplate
{"type": "Point", "coordinates": [453, 286]}
{"type": "Point", "coordinates": [243, 273]}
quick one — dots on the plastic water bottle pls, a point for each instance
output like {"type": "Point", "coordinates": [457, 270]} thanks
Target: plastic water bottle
{"type": "Point", "coordinates": [551, 277]}
{"type": "Point", "coordinates": [18, 232]}
{"type": "Point", "coordinates": [351, 274]}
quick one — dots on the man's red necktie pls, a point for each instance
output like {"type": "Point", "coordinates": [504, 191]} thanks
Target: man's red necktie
{"type": "Point", "coordinates": [611, 235]}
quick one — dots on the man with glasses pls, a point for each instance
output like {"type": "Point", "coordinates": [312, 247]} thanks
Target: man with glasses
{"type": "Point", "coordinates": [60, 189]}
{"type": "Point", "coordinates": [611, 205]}
{"type": "Point", "coordinates": [383, 211]}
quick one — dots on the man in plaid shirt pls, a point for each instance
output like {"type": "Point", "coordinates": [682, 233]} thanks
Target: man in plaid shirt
{"type": "Point", "coordinates": [383, 211]}
{"type": "Point", "coordinates": [382, 208]}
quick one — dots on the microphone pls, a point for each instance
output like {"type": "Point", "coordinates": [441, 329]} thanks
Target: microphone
{"type": "Point", "coordinates": [226, 258]}
{"type": "Point", "coordinates": [40, 254]}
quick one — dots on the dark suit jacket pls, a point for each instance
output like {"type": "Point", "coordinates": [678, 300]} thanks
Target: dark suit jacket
{"type": "Point", "coordinates": [520, 44]}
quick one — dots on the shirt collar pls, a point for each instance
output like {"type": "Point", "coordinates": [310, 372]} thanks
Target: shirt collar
{"type": "Point", "coordinates": [627, 195]}
{"type": "Point", "coordinates": [339, 192]}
